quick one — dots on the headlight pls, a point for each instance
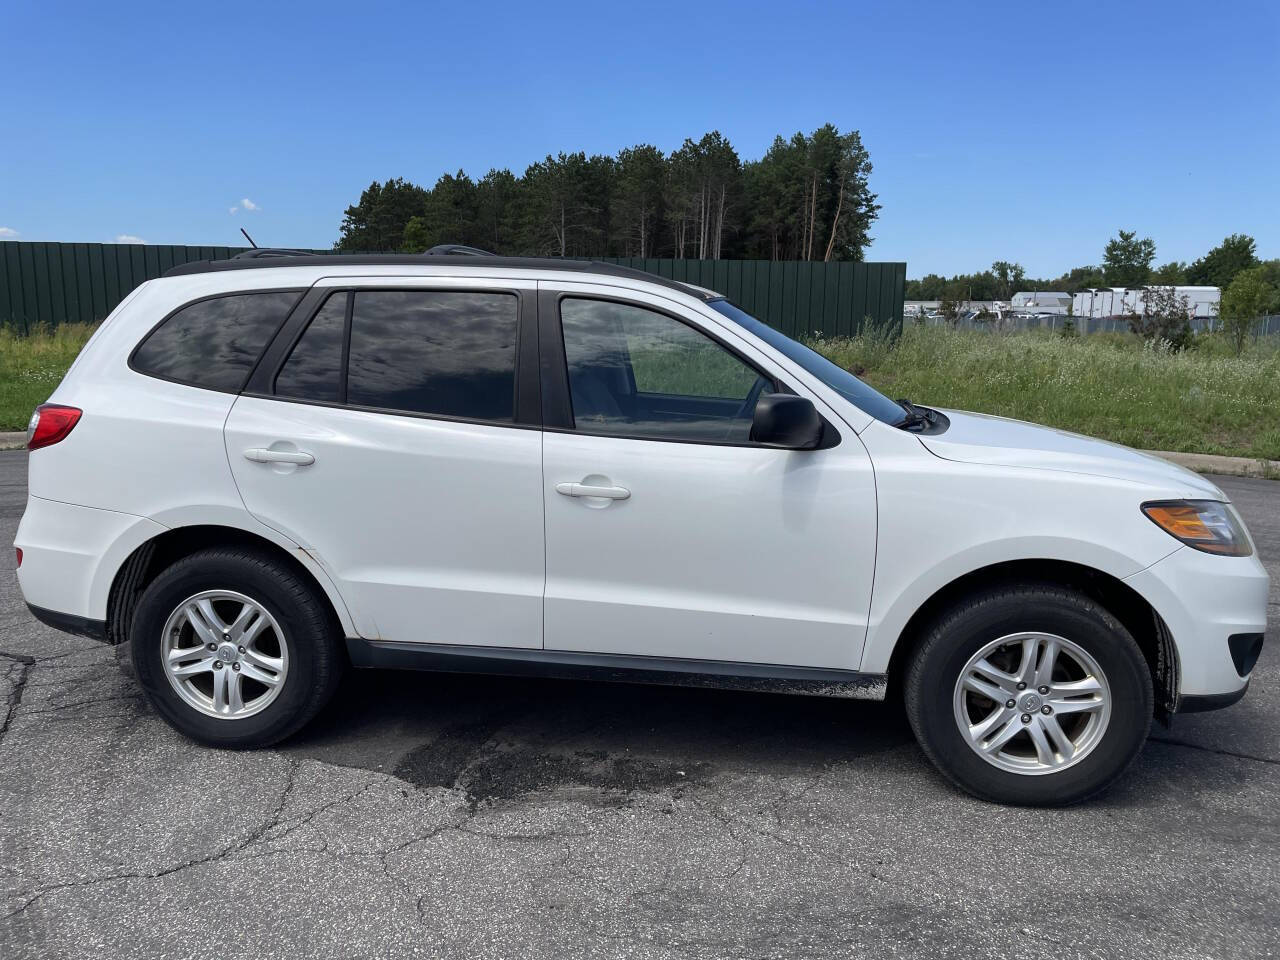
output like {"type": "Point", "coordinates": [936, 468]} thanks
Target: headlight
{"type": "Point", "coordinates": [1203, 524]}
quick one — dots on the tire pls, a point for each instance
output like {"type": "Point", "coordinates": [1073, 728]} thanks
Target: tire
{"type": "Point", "coordinates": [296, 644]}
{"type": "Point", "coordinates": [1099, 696]}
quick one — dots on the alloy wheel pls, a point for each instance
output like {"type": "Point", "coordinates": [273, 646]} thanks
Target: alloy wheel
{"type": "Point", "coordinates": [1032, 703]}
{"type": "Point", "coordinates": [224, 654]}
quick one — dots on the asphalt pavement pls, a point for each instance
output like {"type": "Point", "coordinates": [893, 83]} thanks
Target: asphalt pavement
{"type": "Point", "coordinates": [445, 816]}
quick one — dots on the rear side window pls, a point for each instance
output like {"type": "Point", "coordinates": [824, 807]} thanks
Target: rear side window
{"type": "Point", "coordinates": [214, 343]}
{"type": "Point", "coordinates": [436, 352]}
{"type": "Point", "coordinates": [314, 368]}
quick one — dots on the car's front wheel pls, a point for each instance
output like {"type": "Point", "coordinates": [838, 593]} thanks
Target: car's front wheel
{"type": "Point", "coordinates": [235, 649]}
{"type": "Point", "coordinates": [1030, 694]}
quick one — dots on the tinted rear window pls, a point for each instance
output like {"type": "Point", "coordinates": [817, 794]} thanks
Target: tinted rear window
{"type": "Point", "coordinates": [214, 343]}
{"type": "Point", "coordinates": [445, 353]}
{"type": "Point", "coordinates": [314, 368]}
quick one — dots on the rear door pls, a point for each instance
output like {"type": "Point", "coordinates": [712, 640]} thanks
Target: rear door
{"type": "Point", "coordinates": [392, 432]}
{"type": "Point", "coordinates": [670, 534]}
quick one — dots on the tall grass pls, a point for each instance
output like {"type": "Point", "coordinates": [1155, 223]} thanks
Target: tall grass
{"type": "Point", "coordinates": [31, 366]}
{"type": "Point", "coordinates": [1203, 400]}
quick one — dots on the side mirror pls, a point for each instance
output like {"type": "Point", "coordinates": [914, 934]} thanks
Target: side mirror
{"type": "Point", "coordinates": [785, 420]}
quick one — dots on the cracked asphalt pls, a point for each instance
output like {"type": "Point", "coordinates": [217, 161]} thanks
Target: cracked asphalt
{"type": "Point", "coordinates": [441, 816]}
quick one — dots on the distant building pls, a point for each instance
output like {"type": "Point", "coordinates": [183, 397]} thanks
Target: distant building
{"type": "Point", "coordinates": [1041, 301]}
{"type": "Point", "coordinates": [1120, 301]}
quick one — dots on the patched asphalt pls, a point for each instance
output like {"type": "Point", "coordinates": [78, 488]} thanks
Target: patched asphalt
{"type": "Point", "coordinates": [440, 816]}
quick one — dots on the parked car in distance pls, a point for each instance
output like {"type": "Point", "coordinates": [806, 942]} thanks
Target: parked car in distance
{"type": "Point", "coordinates": [260, 472]}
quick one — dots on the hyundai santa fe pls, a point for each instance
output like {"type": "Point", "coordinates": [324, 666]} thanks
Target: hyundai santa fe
{"type": "Point", "coordinates": [260, 472]}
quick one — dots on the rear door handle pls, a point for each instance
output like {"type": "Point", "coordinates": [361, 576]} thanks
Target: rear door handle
{"type": "Point", "coordinates": [589, 490]}
{"type": "Point", "coordinates": [265, 455]}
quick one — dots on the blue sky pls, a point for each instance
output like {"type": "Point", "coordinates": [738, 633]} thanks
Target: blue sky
{"type": "Point", "coordinates": [1023, 131]}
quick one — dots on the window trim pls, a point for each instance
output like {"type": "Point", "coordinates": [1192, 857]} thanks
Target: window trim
{"type": "Point", "coordinates": [557, 408]}
{"type": "Point", "coordinates": [526, 401]}
{"type": "Point", "coordinates": [253, 369]}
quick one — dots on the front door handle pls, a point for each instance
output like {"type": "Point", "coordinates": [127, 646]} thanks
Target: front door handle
{"type": "Point", "coordinates": [267, 455]}
{"type": "Point", "coordinates": [590, 490]}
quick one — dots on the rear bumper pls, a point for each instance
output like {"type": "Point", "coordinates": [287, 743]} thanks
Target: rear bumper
{"type": "Point", "coordinates": [70, 555]}
{"type": "Point", "coordinates": [1216, 611]}
{"type": "Point", "coordinates": [70, 623]}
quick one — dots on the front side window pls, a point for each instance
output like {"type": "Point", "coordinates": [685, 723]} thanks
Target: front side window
{"type": "Point", "coordinates": [435, 352]}
{"type": "Point", "coordinates": [214, 343]}
{"type": "Point", "coordinates": [861, 395]}
{"type": "Point", "coordinates": [638, 373]}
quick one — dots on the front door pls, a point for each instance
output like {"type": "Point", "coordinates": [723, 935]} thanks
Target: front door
{"type": "Point", "coordinates": [669, 534]}
{"type": "Point", "coordinates": [390, 446]}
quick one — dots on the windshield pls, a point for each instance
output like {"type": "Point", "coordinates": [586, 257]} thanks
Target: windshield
{"type": "Point", "coordinates": [866, 399]}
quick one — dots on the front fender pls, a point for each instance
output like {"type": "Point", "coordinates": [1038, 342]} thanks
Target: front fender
{"type": "Point", "coordinates": [890, 614]}
{"type": "Point", "coordinates": [939, 520]}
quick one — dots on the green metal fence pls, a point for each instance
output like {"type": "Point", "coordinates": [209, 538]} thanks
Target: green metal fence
{"type": "Point", "coordinates": [45, 284]}
{"type": "Point", "coordinates": [798, 297]}
{"type": "Point", "coordinates": [52, 283]}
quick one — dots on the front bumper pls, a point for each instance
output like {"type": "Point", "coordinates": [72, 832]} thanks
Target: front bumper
{"type": "Point", "coordinates": [1211, 701]}
{"type": "Point", "coordinates": [1209, 602]}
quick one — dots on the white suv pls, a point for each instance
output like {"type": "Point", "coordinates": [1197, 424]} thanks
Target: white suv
{"type": "Point", "coordinates": [261, 471]}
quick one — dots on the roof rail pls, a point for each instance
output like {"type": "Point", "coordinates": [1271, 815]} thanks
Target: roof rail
{"type": "Point", "coordinates": [259, 252]}
{"type": "Point", "coordinates": [336, 261]}
{"type": "Point", "coordinates": [456, 250]}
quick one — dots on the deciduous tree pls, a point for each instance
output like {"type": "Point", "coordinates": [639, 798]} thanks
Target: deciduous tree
{"type": "Point", "coordinates": [1243, 302]}
{"type": "Point", "coordinates": [1010, 276]}
{"type": "Point", "coordinates": [1172, 273]}
{"type": "Point", "coordinates": [1166, 315]}
{"type": "Point", "coordinates": [1127, 260]}
{"type": "Point", "coordinates": [1219, 266]}
{"type": "Point", "coordinates": [1077, 279]}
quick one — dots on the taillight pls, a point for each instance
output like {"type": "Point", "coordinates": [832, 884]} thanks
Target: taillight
{"type": "Point", "coordinates": [49, 424]}
{"type": "Point", "coordinates": [19, 549]}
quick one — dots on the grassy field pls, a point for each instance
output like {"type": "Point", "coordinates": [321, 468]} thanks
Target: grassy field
{"type": "Point", "coordinates": [1203, 400]}
{"type": "Point", "coordinates": [30, 368]}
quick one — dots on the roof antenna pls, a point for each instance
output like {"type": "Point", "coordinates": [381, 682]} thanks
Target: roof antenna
{"type": "Point", "coordinates": [249, 238]}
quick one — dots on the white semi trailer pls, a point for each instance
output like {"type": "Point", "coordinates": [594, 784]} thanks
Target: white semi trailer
{"type": "Point", "coordinates": [1120, 301]}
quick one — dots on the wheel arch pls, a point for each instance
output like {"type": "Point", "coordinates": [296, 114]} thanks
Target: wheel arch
{"type": "Point", "coordinates": [1128, 606]}
{"type": "Point", "coordinates": [147, 561]}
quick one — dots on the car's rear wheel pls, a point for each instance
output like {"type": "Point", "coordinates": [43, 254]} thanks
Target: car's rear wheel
{"type": "Point", "coordinates": [235, 649]}
{"type": "Point", "coordinates": [1030, 694]}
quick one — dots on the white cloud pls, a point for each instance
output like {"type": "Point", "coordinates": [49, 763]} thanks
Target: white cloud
{"type": "Point", "coordinates": [232, 210]}
{"type": "Point", "coordinates": [128, 238]}
{"type": "Point", "coordinates": [8, 233]}
{"type": "Point", "coordinates": [244, 204]}
{"type": "Point", "coordinates": [248, 204]}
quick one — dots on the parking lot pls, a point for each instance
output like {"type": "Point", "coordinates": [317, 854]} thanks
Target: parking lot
{"type": "Point", "coordinates": [450, 816]}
